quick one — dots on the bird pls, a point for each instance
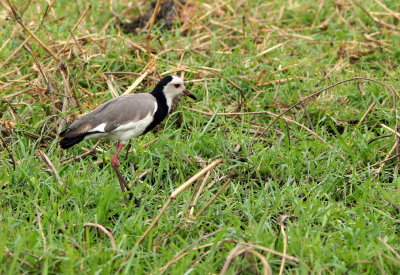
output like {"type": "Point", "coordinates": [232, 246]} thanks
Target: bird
{"type": "Point", "coordinates": [126, 117]}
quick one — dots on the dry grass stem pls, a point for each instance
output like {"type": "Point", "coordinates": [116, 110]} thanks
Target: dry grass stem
{"type": "Point", "coordinates": [176, 193]}
{"type": "Point", "coordinates": [282, 224]}
{"type": "Point", "coordinates": [150, 24]}
{"type": "Point", "coordinates": [187, 250]}
{"type": "Point", "coordinates": [111, 87]}
{"type": "Point", "coordinates": [196, 199]}
{"type": "Point", "coordinates": [370, 108]}
{"type": "Point", "coordinates": [382, 163]}
{"type": "Point", "coordinates": [391, 130]}
{"type": "Point", "coordinates": [38, 64]}
{"type": "Point", "coordinates": [18, 19]}
{"type": "Point", "coordinates": [236, 251]}
{"type": "Point", "coordinates": [12, 55]}
{"type": "Point", "coordinates": [394, 14]}
{"type": "Point", "coordinates": [377, 20]}
{"type": "Point", "coordinates": [271, 49]}
{"type": "Point", "coordinates": [267, 268]}
{"type": "Point", "coordinates": [287, 257]}
{"type": "Point", "coordinates": [71, 32]}
{"type": "Point", "coordinates": [50, 165]}
{"type": "Point", "coordinates": [149, 67]}
{"type": "Point", "coordinates": [108, 233]}
{"type": "Point", "coordinates": [214, 198]}
{"type": "Point", "coordinates": [390, 248]}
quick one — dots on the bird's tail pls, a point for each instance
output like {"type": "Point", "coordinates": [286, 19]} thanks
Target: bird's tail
{"type": "Point", "coordinates": [68, 142]}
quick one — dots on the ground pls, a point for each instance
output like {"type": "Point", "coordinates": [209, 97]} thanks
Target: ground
{"type": "Point", "coordinates": [312, 191]}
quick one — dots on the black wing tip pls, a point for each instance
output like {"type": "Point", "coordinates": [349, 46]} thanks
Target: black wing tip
{"type": "Point", "coordinates": [67, 142]}
{"type": "Point", "coordinates": [62, 134]}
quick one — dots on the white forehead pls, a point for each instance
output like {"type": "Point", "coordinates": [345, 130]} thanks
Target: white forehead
{"type": "Point", "coordinates": [176, 80]}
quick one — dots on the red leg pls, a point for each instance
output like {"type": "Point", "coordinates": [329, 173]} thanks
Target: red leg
{"type": "Point", "coordinates": [115, 164]}
{"type": "Point", "coordinates": [114, 159]}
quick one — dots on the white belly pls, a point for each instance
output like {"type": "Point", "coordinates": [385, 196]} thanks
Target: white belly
{"type": "Point", "coordinates": [125, 132]}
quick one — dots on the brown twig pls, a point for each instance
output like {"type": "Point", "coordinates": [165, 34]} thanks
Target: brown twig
{"type": "Point", "coordinates": [380, 137]}
{"type": "Point", "coordinates": [8, 253]}
{"type": "Point", "coordinates": [108, 233]}
{"type": "Point", "coordinates": [88, 152]}
{"type": "Point", "coordinates": [38, 64]}
{"type": "Point", "coordinates": [385, 160]}
{"type": "Point", "coordinates": [148, 144]}
{"type": "Point", "coordinates": [307, 113]}
{"type": "Point", "coordinates": [77, 44]}
{"type": "Point", "coordinates": [50, 165]}
{"type": "Point", "coordinates": [9, 152]}
{"type": "Point", "coordinates": [46, 12]}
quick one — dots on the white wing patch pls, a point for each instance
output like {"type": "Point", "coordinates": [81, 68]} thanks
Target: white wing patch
{"type": "Point", "coordinates": [99, 128]}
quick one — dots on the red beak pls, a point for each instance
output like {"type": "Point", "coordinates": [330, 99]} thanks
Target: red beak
{"type": "Point", "coordinates": [189, 94]}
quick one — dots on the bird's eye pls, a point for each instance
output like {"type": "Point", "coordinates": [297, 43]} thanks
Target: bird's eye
{"type": "Point", "coordinates": [177, 85]}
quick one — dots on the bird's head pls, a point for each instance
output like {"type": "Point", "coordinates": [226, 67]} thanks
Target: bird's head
{"type": "Point", "coordinates": [173, 86]}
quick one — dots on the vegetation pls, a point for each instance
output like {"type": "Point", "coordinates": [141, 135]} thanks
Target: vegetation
{"type": "Point", "coordinates": [314, 191]}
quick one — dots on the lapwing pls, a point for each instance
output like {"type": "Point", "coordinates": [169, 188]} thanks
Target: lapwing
{"type": "Point", "coordinates": [126, 117]}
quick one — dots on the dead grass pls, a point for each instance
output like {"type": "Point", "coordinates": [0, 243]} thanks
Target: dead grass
{"type": "Point", "coordinates": [297, 97]}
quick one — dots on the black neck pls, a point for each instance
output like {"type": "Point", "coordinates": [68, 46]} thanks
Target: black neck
{"type": "Point", "coordinates": [162, 106]}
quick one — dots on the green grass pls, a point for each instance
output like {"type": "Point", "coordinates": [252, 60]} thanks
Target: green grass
{"type": "Point", "coordinates": [339, 211]}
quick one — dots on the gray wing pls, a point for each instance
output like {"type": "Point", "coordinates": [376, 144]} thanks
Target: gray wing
{"type": "Point", "coordinates": [116, 112]}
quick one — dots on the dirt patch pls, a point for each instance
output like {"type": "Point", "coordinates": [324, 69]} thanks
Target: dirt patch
{"type": "Point", "coordinates": [169, 11]}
